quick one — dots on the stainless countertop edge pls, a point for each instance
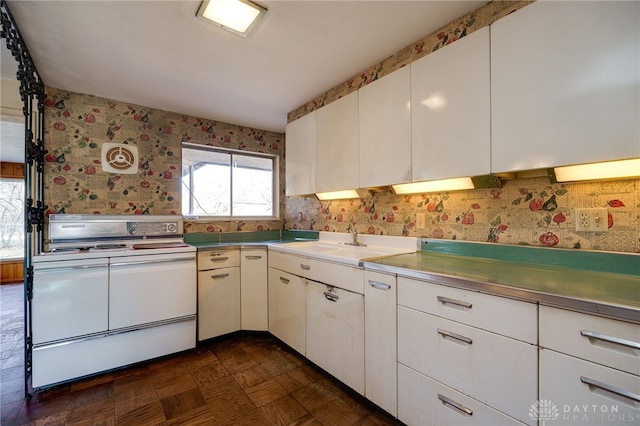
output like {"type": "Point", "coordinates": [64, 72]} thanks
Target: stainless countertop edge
{"type": "Point", "coordinates": [593, 307]}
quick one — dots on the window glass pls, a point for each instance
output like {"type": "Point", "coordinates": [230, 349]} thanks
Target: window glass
{"type": "Point", "coordinates": [11, 218]}
{"type": "Point", "coordinates": [223, 184]}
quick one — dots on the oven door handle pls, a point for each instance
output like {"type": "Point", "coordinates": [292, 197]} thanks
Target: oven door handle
{"type": "Point", "coordinates": [147, 262]}
{"type": "Point", "coordinates": [68, 268]}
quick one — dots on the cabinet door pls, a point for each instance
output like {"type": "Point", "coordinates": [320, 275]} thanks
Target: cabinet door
{"type": "Point", "coordinates": [380, 308]}
{"type": "Point", "coordinates": [337, 145]}
{"type": "Point", "coordinates": [335, 333]}
{"type": "Point", "coordinates": [287, 308]}
{"type": "Point", "coordinates": [450, 107]}
{"type": "Point", "coordinates": [581, 392]}
{"type": "Point", "coordinates": [301, 155]}
{"type": "Point", "coordinates": [565, 84]}
{"type": "Point", "coordinates": [385, 130]}
{"type": "Point", "coordinates": [218, 302]}
{"type": "Point", "coordinates": [253, 290]}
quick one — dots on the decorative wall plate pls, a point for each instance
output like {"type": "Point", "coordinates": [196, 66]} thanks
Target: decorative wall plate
{"type": "Point", "coordinates": [119, 158]}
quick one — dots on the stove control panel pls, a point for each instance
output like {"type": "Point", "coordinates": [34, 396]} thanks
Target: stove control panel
{"type": "Point", "coordinates": [153, 228]}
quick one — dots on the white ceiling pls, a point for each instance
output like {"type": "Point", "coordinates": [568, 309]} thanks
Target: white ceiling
{"type": "Point", "coordinates": [158, 54]}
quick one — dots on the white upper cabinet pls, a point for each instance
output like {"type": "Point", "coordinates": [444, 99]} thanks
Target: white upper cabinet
{"type": "Point", "coordinates": [301, 155]}
{"type": "Point", "coordinates": [337, 145]}
{"type": "Point", "coordinates": [385, 130]}
{"type": "Point", "coordinates": [450, 108]}
{"type": "Point", "coordinates": [565, 84]}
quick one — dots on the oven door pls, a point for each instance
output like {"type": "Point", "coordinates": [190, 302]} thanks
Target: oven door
{"type": "Point", "coordinates": [151, 288]}
{"type": "Point", "coordinates": [69, 299]}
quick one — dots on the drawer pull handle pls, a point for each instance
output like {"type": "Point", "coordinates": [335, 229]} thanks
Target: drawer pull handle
{"type": "Point", "coordinates": [284, 280]}
{"type": "Point", "coordinates": [609, 388]}
{"type": "Point", "coordinates": [219, 276]}
{"type": "Point", "coordinates": [456, 405]}
{"type": "Point", "coordinates": [219, 259]}
{"type": "Point", "coordinates": [305, 267]}
{"type": "Point", "coordinates": [611, 339]}
{"type": "Point", "coordinates": [379, 285]}
{"type": "Point", "coordinates": [456, 336]}
{"type": "Point", "coordinates": [253, 257]}
{"type": "Point", "coordinates": [332, 297]}
{"type": "Point", "coordinates": [447, 300]}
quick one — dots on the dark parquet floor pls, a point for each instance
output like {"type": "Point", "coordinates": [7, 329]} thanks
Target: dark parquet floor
{"type": "Point", "coordinates": [242, 379]}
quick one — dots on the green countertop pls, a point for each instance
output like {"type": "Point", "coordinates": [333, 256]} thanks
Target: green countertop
{"type": "Point", "coordinates": [609, 292]}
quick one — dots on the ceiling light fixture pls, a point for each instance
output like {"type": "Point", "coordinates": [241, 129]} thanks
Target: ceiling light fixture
{"type": "Point", "coordinates": [237, 16]}
{"type": "Point", "coordinates": [596, 171]}
{"type": "Point", "coordinates": [337, 195]}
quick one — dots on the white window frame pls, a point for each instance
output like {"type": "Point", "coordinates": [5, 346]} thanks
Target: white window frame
{"type": "Point", "coordinates": [275, 184]}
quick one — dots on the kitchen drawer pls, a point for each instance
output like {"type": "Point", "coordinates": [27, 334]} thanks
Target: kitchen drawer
{"type": "Point", "coordinates": [218, 259]}
{"type": "Point", "coordinates": [511, 318]}
{"type": "Point", "coordinates": [602, 340]}
{"type": "Point", "coordinates": [577, 389]}
{"type": "Point", "coordinates": [493, 369]}
{"type": "Point", "coordinates": [346, 277]}
{"type": "Point", "coordinates": [423, 401]}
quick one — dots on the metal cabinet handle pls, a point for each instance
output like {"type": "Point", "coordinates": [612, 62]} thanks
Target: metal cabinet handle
{"type": "Point", "coordinates": [219, 276]}
{"type": "Point", "coordinates": [449, 301]}
{"type": "Point", "coordinates": [218, 259]}
{"type": "Point", "coordinates": [456, 405]}
{"type": "Point", "coordinates": [611, 339]}
{"type": "Point", "coordinates": [253, 257]}
{"type": "Point", "coordinates": [284, 280]}
{"type": "Point", "coordinates": [609, 388]}
{"type": "Point", "coordinates": [456, 336]}
{"type": "Point", "coordinates": [332, 297]}
{"type": "Point", "coordinates": [379, 285]}
{"type": "Point", "coordinates": [305, 267]}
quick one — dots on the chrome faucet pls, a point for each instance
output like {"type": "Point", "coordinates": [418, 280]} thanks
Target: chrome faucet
{"type": "Point", "coordinates": [354, 235]}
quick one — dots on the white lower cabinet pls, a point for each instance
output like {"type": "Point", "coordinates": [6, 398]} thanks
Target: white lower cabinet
{"type": "Point", "coordinates": [253, 290]}
{"type": "Point", "coordinates": [493, 369]}
{"type": "Point", "coordinates": [423, 401]}
{"type": "Point", "coordinates": [287, 307]}
{"type": "Point", "coordinates": [380, 344]}
{"type": "Point", "coordinates": [218, 302]}
{"type": "Point", "coordinates": [582, 392]}
{"type": "Point", "coordinates": [335, 332]}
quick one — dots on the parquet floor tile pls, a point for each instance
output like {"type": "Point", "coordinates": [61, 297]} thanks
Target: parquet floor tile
{"type": "Point", "coordinates": [241, 379]}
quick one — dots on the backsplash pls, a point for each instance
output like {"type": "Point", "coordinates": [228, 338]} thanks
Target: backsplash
{"type": "Point", "coordinates": [524, 211]}
{"type": "Point", "coordinates": [77, 125]}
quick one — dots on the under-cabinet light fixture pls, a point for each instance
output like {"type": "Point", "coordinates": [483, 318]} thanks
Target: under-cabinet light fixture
{"type": "Point", "coordinates": [237, 16]}
{"type": "Point", "coordinates": [598, 171]}
{"type": "Point", "coordinates": [454, 184]}
{"type": "Point", "coordinates": [337, 195]}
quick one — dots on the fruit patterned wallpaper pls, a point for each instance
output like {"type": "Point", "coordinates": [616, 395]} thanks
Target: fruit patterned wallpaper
{"type": "Point", "coordinates": [524, 211]}
{"type": "Point", "coordinates": [77, 125]}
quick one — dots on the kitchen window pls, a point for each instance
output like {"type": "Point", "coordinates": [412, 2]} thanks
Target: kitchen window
{"type": "Point", "coordinates": [228, 184]}
{"type": "Point", "coordinates": [11, 218]}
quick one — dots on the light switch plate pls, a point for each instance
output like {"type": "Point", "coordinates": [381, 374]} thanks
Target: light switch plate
{"type": "Point", "coordinates": [592, 220]}
{"type": "Point", "coordinates": [420, 221]}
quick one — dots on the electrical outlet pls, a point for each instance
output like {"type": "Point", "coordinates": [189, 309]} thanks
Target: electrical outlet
{"type": "Point", "coordinates": [420, 221]}
{"type": "Point", "coordinates": [592, 220]}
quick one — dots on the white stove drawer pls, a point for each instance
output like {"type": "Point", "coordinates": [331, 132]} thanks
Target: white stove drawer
{"type": "Point", "coordinates": [70, 298]}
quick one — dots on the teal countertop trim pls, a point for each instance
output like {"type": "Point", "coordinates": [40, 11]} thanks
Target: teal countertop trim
{"type": "Point", "coordinates": [212, 239]}
{"type": "Point", "coordinates": [604, 262]}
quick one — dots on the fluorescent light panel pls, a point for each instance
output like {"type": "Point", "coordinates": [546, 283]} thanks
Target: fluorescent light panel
{"type": "Point", "coordinates": [595, 171]}
{"type": "Point", "coordinates": [238, 16]}
{"type": "Point", "coordinates": [454, 184]}
{"type": "Point", "coordinates": [337, 195]}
